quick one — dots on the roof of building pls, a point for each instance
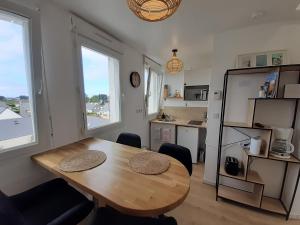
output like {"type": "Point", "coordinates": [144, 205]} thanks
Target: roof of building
{"type": "Point", "coordinates": [2, 109]}
{"type": "Point", "coordinates": [7, 114]}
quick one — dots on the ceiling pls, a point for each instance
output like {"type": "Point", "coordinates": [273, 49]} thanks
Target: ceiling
{"type": "Point", "coordinates": [190, 29]}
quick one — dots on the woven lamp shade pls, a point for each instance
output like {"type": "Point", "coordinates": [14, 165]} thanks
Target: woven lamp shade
{"type": "Point", "coordinates": [175, 65]}
{"type": "Point", "coordinates": [153, 10]}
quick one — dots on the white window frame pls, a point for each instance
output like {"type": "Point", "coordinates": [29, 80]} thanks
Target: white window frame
{"type": "Point", "coordinates": [155, 69]}
{"type": "Point", "coordinates": [41, 122]}
{"type": "Point", "coordinates": [93, 45]}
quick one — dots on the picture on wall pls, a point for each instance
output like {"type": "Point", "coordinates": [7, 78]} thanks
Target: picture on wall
{"type": "Point", "coordinates": [260, 59]}
{"type": "Point", "coordinates": [245, 61]}
{"type": "Point", "coordinates": [277, 59]}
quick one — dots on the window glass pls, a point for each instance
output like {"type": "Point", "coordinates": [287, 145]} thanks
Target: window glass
{"type": "Point", "coordinates": [17, 123]}
{"type": "Point", "coordinates": [152, 90]}
{"type": "Point", "coordinates": [154, 93]}
{"type": "Point", "coordinates": [101, 88]}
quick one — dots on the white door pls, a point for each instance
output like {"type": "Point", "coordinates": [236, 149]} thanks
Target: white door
{"type": "Point", "coordinates": [188, 137]}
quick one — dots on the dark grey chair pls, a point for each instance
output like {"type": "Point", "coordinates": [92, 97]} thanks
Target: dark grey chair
{"type": "Point", "coordinates": [130, 139]}
{"type": "Point", "coordinates": [180, 153]}
{"type": "Point", "coordinates": [109, 216]}
{"type": "Point", "coordinates": [51, 203]}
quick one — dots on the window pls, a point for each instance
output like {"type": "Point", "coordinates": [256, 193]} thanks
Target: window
{"type": "Point", "coordinates": [17, 105]}
{"type": "Point", "coordinates": [153, 82]}
{"type": "Point", "coordinates": [100, 74]}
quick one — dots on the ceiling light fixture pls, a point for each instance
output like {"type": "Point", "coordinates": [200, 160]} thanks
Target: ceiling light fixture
{"type": "Point", "coordinates": [298, 8]}
{"type": "Point", "coordinates": [153, 10]}
{"type": "Point", "coordinates": [175, 65]}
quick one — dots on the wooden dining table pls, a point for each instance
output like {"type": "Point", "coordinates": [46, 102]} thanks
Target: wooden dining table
{"type": "Point", "coordinates": [115, 184]}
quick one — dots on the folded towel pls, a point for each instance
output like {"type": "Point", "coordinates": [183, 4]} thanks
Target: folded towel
{"type": "Point", "coordinates": [157, 133]}
{"type": "Point", "coordinates": [166, 134]}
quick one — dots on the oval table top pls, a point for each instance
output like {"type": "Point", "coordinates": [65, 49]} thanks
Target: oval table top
{"type": "Point", "coordinates": [116, 184]}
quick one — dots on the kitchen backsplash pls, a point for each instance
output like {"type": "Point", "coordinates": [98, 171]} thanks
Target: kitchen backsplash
{"type": "Point", "coordinates": [186, 113]}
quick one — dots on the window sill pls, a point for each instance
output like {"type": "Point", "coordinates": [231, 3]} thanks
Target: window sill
{"type": "Point", "coordinates": [103, 128]}
{"type": "Point", "coordinates": [20, 151]}
{"type": "Point", "coordinates": [152, 114]}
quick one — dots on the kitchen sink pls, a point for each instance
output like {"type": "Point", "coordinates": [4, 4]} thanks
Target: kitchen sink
{"type": "Point", "coordinates": [195, 122]}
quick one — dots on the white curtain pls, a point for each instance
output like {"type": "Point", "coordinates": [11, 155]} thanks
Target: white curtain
{"type": "Point", "coordinates": [153, 78]}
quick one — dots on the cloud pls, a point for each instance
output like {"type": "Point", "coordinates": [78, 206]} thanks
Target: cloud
{"type": "Point", "coordinates": [11, 41]}
{"type": "Point", "coordinates": [13, 80]}
{"type": "Point", "coordinates": [95, 69]}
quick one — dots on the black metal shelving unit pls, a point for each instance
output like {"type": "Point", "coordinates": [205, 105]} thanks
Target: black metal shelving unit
{"type": "Point", "coordinates": [256, 199]}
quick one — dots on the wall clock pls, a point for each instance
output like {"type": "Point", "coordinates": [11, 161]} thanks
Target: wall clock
{"type": "Point", "coordinates": [135, 79]}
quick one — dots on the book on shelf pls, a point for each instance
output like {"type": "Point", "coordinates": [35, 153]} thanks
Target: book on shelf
{"type": "Point", "coordinates": [271, 84]}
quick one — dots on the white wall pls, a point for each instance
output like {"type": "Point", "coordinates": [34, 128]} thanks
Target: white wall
{"type": "Point", "coordinates": [18, 172]}
{"type": "Point", "coordinates": [227, 46]}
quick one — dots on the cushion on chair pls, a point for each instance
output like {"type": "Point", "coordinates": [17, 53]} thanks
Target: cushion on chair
{"type": "Point", "coordinates": [53, 203]}
{"type": "Point", "coordinates": [9, 214]}
{"type": "Point", "coordinates": [180, 153]}
{"type": "Point", "coordinates": [109, 216]}
{"type": "Point", "coordinates": [129, 139]}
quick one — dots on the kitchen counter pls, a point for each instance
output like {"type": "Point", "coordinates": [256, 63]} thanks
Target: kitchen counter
{"type": "Point", "coordinates": [179, 122]}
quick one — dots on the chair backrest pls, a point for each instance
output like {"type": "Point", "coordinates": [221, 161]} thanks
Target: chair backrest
{"type": "Point", "coordinates": [180, 153]}
{"type": "Point", "coordinates": [9, 213]}
{"type": "Point", "coordinates": [130, 140]}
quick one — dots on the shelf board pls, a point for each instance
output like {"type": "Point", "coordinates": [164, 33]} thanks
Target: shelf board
{"type": "Point", "coordinates": [273, 99]}
{"type": "Point", "coordinates": [264, 156]}
{"type": "Point", "coordinates": [273, 205]}
{"type": "Point", "coordinates": [240, 176]}
{"type": "Point", "coordinates": [263, 70]}
{"type": "Point", "coordinates": [237, 124]}
{"type": "Point", "coordinates": [256, 70]}
{"type": "Point", "coordinates": [247, 198]}
{"type": "Point", "coordinates": [293, 159]}
{"type": "Point", "coordinates": [173, 97]}
{"type": "Point", "coordinates": [252, 176]}
{"type": "Point", "coordinates": [243, 125]}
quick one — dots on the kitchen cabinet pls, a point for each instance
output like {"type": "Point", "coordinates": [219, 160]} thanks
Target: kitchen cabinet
{"type": "Point", "coordinates": [188, 137]}
{"type": "Point", "coordinates": [162, 133]}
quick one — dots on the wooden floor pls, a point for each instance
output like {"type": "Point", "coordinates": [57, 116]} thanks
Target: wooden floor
{"type": "Point", "coordinates": [201, 208]}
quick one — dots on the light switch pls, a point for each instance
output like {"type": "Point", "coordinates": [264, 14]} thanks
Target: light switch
{"type": "Point", "coordinates": [217, 95]}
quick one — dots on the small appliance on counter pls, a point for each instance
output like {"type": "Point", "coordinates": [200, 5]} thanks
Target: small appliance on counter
{"type": "Point", "coordinates": [232, 166]}
{"type": "Point", "coordinates": [282, 146]}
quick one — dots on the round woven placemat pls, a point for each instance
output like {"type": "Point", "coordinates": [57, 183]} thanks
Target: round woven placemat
{"type": "Point", "coordinates": [82, 161]}
{"type": "Point", "coordinates": [149, 163]}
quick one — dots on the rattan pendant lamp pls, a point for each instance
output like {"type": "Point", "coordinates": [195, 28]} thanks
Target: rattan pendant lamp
{"type": "Point", "coordinates": [174, 65]}
{"type": "Point", "coordinates": [153, 10]}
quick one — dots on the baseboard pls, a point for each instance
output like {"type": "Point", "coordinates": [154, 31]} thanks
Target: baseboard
{"type": "Point", "coordinates": [295, 217]}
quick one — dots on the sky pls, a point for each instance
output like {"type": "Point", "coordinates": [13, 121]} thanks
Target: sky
{"type": "Point", "coordinates": [13, 81]}
{"type": "Point", "coordinates": [13, 77]}
{"type": "Point", "coordinates": [95, 72]}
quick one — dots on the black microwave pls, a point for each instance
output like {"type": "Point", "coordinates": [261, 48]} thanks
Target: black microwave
{"type": "Point", "coordinates": [196, 93]}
